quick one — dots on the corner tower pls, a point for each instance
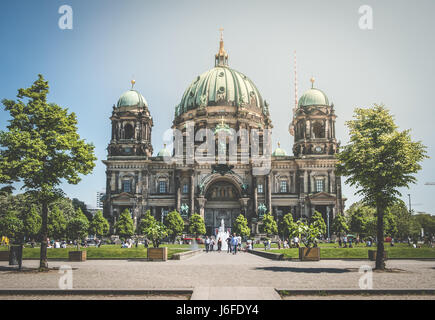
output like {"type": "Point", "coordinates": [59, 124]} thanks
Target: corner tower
{"type": "Point", "coordinates": [131, 126]}
{"type": "Point", "coordinates": [313, 125]}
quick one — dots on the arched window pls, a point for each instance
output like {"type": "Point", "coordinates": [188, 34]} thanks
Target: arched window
{"type": "Point", "coordinates": [318, 129]}
{"type": "Point", "coordinates": [129, 131]}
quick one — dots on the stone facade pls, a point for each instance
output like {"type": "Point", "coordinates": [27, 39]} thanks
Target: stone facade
{"type": "Point", "coordinates": [297, 184]}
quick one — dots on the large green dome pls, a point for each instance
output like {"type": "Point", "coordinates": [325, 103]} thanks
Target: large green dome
{"type": "Point", "coordinates": [313, 97]}
{"type": "Point", "coordinates": [132, 98]}
{"type": "Point", "coordinates": [221, 86]}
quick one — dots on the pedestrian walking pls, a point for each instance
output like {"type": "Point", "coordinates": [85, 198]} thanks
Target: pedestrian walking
{"type": "Point", "coordinates": [219, 244]}
{"type": "Point", "coordinates": [228, 240]}
{"type": "Point", "coordinates": [234, 243]}
{"type": "Point", "coordinates": [207, 244]}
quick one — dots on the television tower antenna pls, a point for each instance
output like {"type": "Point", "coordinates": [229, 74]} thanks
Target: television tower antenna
{"type": "Point", "coordinates": [296, 83]}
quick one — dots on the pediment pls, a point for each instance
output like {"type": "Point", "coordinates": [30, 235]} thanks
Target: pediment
{"type": "Point", "coordinates": [322, 196]}
{"type": "Point", "coordinates": [122, 196]}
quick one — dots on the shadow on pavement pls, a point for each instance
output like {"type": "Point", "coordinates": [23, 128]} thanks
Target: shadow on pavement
{"type": "Point", "coordinates": [304, 270]}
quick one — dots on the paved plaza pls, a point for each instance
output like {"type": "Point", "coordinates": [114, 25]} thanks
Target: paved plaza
{"type": "Point", "coordinates": [213, 274]}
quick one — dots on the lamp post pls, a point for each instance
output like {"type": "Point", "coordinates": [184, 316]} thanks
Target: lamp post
{"type": "Point", "coordinates": [409, 198]}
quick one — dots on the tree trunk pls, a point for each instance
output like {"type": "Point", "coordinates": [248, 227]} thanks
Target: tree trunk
{"type": "Point", "coordinates": [43, 263]}
{"type": "Point", "coordinates": [380, 263]}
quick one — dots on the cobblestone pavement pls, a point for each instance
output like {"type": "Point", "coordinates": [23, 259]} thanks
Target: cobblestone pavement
{"type": "Point", "coordinates": [223, 270]}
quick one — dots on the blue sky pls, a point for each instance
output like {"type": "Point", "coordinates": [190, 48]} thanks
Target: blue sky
{"type": "Point", "coordinates": [164, 45]}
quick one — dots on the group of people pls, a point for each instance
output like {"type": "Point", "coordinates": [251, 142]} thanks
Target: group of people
{"type": "Point", "coordinates": [234, 244]}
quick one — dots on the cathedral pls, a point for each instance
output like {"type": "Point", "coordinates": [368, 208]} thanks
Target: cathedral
{"type": "Point", "coordinates": [223, 100]}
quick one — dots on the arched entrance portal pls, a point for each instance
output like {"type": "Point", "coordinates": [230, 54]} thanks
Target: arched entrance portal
{"type": "Point", "coordinates": [222, 203]}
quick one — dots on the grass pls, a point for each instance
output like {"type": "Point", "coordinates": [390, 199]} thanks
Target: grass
{"type": "Point", "coordinates": [362, 252]}
{"type": "Point", "coordinates": [104, 252]}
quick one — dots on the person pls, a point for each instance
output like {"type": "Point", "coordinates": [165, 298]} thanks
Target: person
{"type": "Point", "coordinates": [57, 244]}
{"type": "Point", "coordinates": [345, 241]}
{"type": "Point", "coordinates": [219, 244]}
{"type": "Point", "coordinates": [265, 244]}
{"type": "Point", "coordinates": [146, 242]}
{"type": "Point", "coordinates": [339, 241]}
{"type": "Point", "coordinates": [207, 244]}
{"type": "Point", "coordinates": [239, 242]}
{"type": "Point", "coordinates": [212, 243]}
{"type": "Point", "coordinates": [350, 243]}
{"type": "Point", "coordinates": [234, 243]}
{"type": "Point", "coordinates": [279, 244]}
{"type": "Point", "coordinates": [296, 241]}
{"type": "Point", "coordinates": [228, 244]}
{"type": "Point", "coordinates": [269, 242]}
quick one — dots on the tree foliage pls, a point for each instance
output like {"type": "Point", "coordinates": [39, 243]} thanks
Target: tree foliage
{"type": "Point", "coordinates": [240, 226]}
{"type": "Point", "coordinates": [124, 225]}
{"type": "Point", "coordinates": [156, 231]}
{"type": "Point", "coordinates": [11, 226]}
{"type": "Point", "coordinates": [146, 220]}
{"type": "Point", "coordinates": [270, 226]}
{"type": "Point", "coordinates": [99, 226]}
{"type": "Point", "coordinates": [31, 223]}
{"type": "Point", "coordinates": [339, 225]}
{"type": "Point", "coordinates": [378, 160]}
{"type": "Point", "coordinates": [174, 224]}
{"type": "Point", "coordinates": [196, 225]}
{"type": "Point", "coordinates": [56, 226]}
{"type": "Point", "coordinates": [317, 221]}
{"type": "Point", "coordinates": [288, 226]}
{"type": "Point", "coordinates": [41, 148]}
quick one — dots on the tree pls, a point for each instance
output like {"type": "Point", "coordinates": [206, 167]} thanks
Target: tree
{"type": "Point", "coordinates": [378, 160]}
{"type": "Point", "coordinates": [65, 206]}
{"type": "Point", "coordinates": [361, 219]}
{"type": "Point", "coordinates": [12, 227]}
{"type": "Point", "coordinates": [31, 223]}
{"type": "Point", "coordinates": [174, 224]}
{"type": "Point", "coordinates": [287, 225]}
{"type": "Point", "coordinates": [144, 222]}
{"type": "Point", "coordinates": [99, 226]}
{"type": "Point", "coordinates": [156, 231]}
{"type": "Point", "coordinates": [56, 224]}
{"type": "Point", "coordinates": [40, 148]}
{"type": "Point", "coordinates": [317, 221]}
{"type": "Point", "coordinates": [76, 203]}
{"type": "Point", "coordinates": [339, 225]}
{"type": "Point", "coordinates": [196, 225]}
{"type": "Point", "coordinates": [427, 222]}
{"type": "Point", "coordinates": [77, 228]}
{"type": "Point", "coordinates": [240, 226]}
{"type": "Point", "coordinates": [124, 226]}
{"type": "Point", "coordinates": [269, 224]}
{"type": "Point", "coordinates": [308, 233]}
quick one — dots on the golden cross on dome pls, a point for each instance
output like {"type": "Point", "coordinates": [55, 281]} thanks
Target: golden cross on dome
{"type": "Point", "coordinates": [222, 33]}
{"type": "Point", "coordinates": [279, 145]}
{"type": "Point", "coordinates": [132, 83]}
{"type": "Point", "coordinates": [312, 82]}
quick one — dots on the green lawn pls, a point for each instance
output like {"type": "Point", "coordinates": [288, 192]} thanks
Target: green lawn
{"type": "Point", "coordinates": [362, 252]}
{"type": "Point", "coordinates": [104, 252]}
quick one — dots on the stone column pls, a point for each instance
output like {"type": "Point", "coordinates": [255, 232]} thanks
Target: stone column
{"type": "Point", "coordinates": [269, 192]}
{"type": "Point", "coordinates": [192, 193]}
{"type": "Point", "coordinates": [201, 204]}
{"type": "Point", "coordinates": [305, 181]}
{"type": "Point", "coordinates": [332, 182]}
{"type": "Point", "coordinates": [255, 196]}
